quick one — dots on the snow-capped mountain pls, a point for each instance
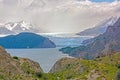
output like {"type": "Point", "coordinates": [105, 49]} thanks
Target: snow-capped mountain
{"type": "Point", "coordinates": [4, 30]}
{"type": "Point", "coordinates": [111, 21]}
{"type": "Point", "coordinates": [16, 27]}
{"type": "Point", "coordinates": [100, 28]}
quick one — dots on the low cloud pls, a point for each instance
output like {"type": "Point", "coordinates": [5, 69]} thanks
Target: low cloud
{"type": "Point", "coordinates": [59, 15]}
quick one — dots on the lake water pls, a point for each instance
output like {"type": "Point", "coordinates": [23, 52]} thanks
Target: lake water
{"type": "Point", "coordinates": [45, 57]}
{"type": "Point", "coordinates": [48, 56]}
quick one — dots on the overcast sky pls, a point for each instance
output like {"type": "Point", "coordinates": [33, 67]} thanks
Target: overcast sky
{"type": "Point", "coordinates": [59, 15]}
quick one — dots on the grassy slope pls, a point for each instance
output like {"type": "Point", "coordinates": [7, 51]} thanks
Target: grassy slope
{"type": "Point", "coordinates": [77, 69]}
{"type": "Point", "coordinates": [105, 67]}
{"type": "Point", "coordinates": [28, 71]}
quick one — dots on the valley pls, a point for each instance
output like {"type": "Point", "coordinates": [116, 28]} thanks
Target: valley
{"type": "Point", "coordinates": [59, 39]}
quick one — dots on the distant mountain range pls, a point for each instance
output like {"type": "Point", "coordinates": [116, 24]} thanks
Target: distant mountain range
{"type": "Point", "coordinates": [100, 28]}
{"type": "Point", "coordinates": [103, 44]}
{"type": "Point", "coordinates": [16, 27]}
{"type": "Point", "coordinates": [26, 40]}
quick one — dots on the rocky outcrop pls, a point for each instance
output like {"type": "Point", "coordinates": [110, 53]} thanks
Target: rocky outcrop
{"type": "Point", "coordinates": [60, 64]}
{"type": "Point", "coordinates": [26, 40]}
{"type": "Point", "coordinates": [14, 68]}
{"type": "Point", "coordinates": [103, 68]}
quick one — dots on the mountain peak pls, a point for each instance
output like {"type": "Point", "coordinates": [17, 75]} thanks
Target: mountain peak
{"type": "Point", "coordinates": [117, 24]}
{"type": "Point", "coordinates": [25, 24]}
{"type": "Point", "coordinates": [108, 22]}
{"type": "Point", "coordinates": [18, 26]}
{"type": "Point", "coordinates": [101, 27]}
{"type": "Point", "coordinates": [114, 30]}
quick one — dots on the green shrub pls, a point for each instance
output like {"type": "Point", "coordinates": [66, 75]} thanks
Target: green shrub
{"type": "Point", "coordinates": [68, 66]}
{"type": "Point", "coordinates": [2, 77]}
{"type": "Point", "coordinates": [39, 74]}
{"type": "Point", "coordinates": [118, 66]}
{"type": "Point", "coordinates": [45, 78]}
{"type": "Point", "coordinates": [15, 57]}
{"type": "Point", "coordinates": [68, 77]}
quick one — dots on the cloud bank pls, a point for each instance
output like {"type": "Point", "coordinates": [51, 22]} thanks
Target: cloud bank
{"type": "Point", "coordinates": [58, 15]}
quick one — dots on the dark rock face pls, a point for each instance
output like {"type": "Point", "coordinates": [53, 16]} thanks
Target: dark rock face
{"type": "Point", "coordinates": [103, 44]}
{"type": "Point", "coordinates": [26, 40]}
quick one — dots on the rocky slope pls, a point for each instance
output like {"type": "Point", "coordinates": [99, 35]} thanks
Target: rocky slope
{"type": "Point", "coordinates": [14, 68]}
{"type": "Point", "coordinates": [103, 44]}
{"type": "Point", "coordinates": [105, 68]}
{"type": "Point", "coordinates": [26, 40]}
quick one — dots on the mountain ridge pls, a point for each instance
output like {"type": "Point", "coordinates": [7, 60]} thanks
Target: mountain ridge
{"type": "Point", "coordinates": [17, 27]}
{"type": "Point", "coordinates": [103, 44]}
{"type": "Point", "coordinates": [26, 40]}
{"type": "Point", "coordinates": [99, 28]}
